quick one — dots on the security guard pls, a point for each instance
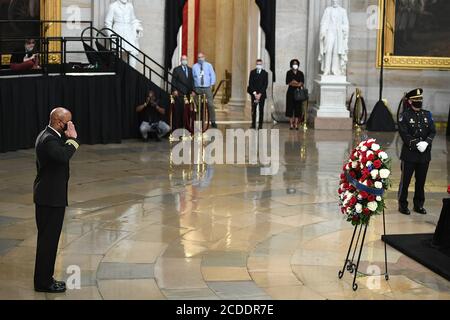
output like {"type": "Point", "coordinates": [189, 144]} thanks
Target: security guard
{"type": "Point", "coordinates": [417, 130]}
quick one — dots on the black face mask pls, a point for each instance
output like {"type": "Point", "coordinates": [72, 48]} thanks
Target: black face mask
{"type": "Point", "coordinates": [417, 104]}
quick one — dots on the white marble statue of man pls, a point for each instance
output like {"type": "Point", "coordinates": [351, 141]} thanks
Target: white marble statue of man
{"type": "Point", "coordinates": [334, 30]}
{"type": "Point", "coordinates": [122, 19]}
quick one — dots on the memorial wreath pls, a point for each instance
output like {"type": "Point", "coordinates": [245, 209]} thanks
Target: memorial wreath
{"type": "Point", "coordinates": [364, 180]}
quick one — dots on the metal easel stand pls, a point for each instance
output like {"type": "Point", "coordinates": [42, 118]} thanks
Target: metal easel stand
{"type": "Point", "coordinates": [351, 265]}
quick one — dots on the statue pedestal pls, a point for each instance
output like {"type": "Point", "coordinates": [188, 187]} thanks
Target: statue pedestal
{"type": "Point", "coordinates": [331, 112]}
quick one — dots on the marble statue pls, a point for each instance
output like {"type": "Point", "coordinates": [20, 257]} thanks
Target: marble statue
{"type": "Point", "coordinates": [334, 30]}
{"type": "Point", "coordinates": [122, 19]}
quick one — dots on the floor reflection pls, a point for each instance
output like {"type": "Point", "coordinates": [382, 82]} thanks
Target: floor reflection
{"type": "Point", "coordinates": [140, 227]}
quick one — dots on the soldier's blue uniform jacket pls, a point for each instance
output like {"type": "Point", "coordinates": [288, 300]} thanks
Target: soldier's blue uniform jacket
{"type": "Point", "coordinates": [415, 127]}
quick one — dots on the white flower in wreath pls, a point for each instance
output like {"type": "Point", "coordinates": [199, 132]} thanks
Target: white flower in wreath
{"type": "Point", "coordinates": [384, 173]}
{"type": "Point", "coordinates": [376, 147]}
{"type": "Point", "coordinates": [358, 208]}
{"type": "Point", "coordinates": [379, 198]}
{"type": "Point", "coordinates": [383, 155]}
{"type": "Point", "coordinates": [374, 173]}
{"type": "Point", "coordinates": [371, 140]}
{"type": "Point", "coordinates": [364, 183]}
{"type": "Point", "coordinates": [373, 206]}
{"type": "Point", "coordinates": [379, 185]}
{"type": "Point", "coordinates": [369, 163]}
{"type": "Point", "coordinates": [354, 164]}
{"type": "Point", "coordinates": [363, 148]}
{"type": "Point", "coordinates": [369, 153]}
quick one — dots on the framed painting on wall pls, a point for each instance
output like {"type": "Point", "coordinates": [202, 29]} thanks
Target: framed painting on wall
{"type": "Point", "coordinates": [417, 34]}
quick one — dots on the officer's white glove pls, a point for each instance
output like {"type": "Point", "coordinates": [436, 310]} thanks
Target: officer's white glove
{"type": "Point", "coordinates": [422, 146]}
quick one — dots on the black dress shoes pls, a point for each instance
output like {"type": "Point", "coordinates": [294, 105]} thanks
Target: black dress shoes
{"type": "Point", "coordinates": [53, 288]}
{"type": "Point", "coordinates": [420, 210]}
{"type": "Point", "coordinates": [214, 125]}
{"type": "Point", "coordinates": [59, 283]}
{"type": "Point", "coordinates": [404, 211]}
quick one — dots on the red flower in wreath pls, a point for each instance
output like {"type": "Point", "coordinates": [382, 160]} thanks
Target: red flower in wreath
{"type": "Point", "coordinates": [364, 194]}
{"type": "Point", "coordinates": [448, 189]}
{"type": "Point", "coordinates": [377, 164]}
{"type": "Point", "coordinates": [371, 198]}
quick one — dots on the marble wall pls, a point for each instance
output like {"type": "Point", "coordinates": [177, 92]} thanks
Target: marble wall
{"type": "Point", "coordinates": [297, 37]}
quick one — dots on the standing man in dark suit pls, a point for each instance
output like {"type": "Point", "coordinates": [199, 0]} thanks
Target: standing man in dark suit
{"type": "Point", "coordinates": [417, 130]}
{"type": "Point", "coordinates": [257, 89]}
{"type": "Point", "coordinates": [55, 146]}
{"type": "Point", "coordinates": [182, 86]}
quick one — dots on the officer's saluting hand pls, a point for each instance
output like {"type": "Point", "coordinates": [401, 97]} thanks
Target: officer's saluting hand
{"type": "Point", "coordinates": [417, 130]}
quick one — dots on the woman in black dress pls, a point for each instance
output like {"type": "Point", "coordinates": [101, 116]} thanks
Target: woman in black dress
{"type": "Point", "coordinates": [294, 79]}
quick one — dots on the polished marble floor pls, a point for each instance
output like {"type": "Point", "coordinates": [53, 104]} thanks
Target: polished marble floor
{"type": "Point", "coordinates": [141, 228]}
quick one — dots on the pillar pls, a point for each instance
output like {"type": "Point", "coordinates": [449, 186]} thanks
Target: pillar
{"type": "Point", "coordinates": [239, 68]}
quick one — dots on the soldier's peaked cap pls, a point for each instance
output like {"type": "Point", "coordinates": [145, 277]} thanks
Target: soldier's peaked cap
{"type": "Point", "coordinates": [416, 94]}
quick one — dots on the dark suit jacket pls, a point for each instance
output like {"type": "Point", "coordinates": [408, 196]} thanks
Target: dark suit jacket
{"type": "Point", "coordinates": [181, 83]}
{"type": "Point", "coordinates": [52, 161]}
{"type": "Point", "coordinates": [258, 83]}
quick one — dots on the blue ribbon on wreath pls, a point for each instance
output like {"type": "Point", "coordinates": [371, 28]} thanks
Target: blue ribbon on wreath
{"type": "Point", "coordinates": [361, 187]}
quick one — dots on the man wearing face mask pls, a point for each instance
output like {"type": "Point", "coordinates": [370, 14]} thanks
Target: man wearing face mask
{"type": "Point", "coordinates": [257, 89]}
{"type": "Point", "coordinates": [182, 85]}
{"type": "Point", "coordinates": [55, 146]}
{"type": "Point", "coordinates": [417, 130]}
{"type": "Point", "coordinates": [204, 80]}
{"type": "Point", "coordinates": [24, 60]}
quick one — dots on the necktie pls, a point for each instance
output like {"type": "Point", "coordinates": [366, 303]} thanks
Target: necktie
{"type": "Point", "coordinates": [186, 72]}
{"type": "Point", "coordinates": [203, 75]}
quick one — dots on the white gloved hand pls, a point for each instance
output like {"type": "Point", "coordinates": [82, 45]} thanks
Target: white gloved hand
{"type": "Point", "coordinates": [422, 146]}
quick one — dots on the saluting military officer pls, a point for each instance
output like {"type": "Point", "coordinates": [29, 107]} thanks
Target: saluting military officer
{"type": "Point", "coordinates": [417, 130]}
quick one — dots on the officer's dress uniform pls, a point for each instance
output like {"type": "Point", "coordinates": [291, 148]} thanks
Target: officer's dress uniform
{"type": "Point", "coordinates": [53, 153]}
{"type": "Point", "coordinates": [415, 127]}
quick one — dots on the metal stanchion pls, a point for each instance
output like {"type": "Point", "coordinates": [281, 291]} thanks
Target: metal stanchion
{"type": "Point", "coordinates": [305, 115]}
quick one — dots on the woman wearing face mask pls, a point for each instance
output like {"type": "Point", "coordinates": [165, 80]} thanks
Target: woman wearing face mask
{"type": "Point", "coordinates": [294, 79]}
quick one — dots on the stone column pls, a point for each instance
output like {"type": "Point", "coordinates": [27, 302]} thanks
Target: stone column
{"type": "Point", "coordinates": [224, 40]}
{"type": "Point", "coordinates": [238, 90]}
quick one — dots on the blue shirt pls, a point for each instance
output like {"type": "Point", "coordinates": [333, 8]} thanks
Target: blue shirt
{"type": "Point", "coordinates": [208, 75]}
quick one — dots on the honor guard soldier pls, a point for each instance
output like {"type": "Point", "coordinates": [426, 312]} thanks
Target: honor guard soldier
{"type": "Point", "coordinates": [417, 129]}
